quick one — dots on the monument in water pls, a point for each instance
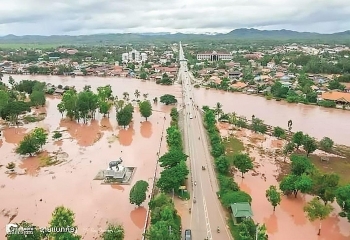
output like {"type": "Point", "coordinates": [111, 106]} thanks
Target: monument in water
{"type": "Point", "coordinates": [116, 173]}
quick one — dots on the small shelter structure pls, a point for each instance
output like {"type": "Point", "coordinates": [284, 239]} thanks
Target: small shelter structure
{"type": "Point", "coordinates": [241, 211]}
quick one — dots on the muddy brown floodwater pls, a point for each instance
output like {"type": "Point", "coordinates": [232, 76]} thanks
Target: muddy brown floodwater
{"type": "Point", "coordinates": [35, 191]}
{"type": "Point", "coordinates": [289, 221]}
{"type": "Point", "coordinates": [316, 121]}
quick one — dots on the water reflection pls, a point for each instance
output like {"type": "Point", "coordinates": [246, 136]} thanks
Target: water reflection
{"type": "Point", "coordinates": [106, 124]}
{"type": "Point", "coordinates": [146, 129]}
{"type": "Point", "coordinates": [271, 224]}
{"type": "Point", "coordinates": [84, 134]}
{"type": "Point", "coordinates": [14, 134]}
{"type": "Point", "coordinates": [137, 216]}
{"type": "Point", "coordinates": [125, 136]}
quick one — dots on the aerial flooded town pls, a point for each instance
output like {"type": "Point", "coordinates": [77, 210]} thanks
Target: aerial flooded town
{"type": "Point", "coordinates": [214, 134]}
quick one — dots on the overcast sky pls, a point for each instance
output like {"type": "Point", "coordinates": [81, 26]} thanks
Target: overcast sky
{"type": "Point", "coordinates": [76, 17]}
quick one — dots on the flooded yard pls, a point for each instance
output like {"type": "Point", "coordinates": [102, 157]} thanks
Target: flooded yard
{"type": "Point", "coordinates": [289, 221]}
{"type": "Point", "coordinates": [83, 150]}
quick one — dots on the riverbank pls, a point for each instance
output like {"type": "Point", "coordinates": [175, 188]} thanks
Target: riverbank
{"type": "Point", "coordinates": [288, 222]}
{"type": "Point", "coordinates": [315, 121]}
{"type": "Point", "coordinates": [328, 104]}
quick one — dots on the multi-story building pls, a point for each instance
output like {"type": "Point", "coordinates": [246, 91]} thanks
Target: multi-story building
{"type": "Point", "coordinates": [214, 56]}
{"type": "Point", "coordinates": [134, 56]}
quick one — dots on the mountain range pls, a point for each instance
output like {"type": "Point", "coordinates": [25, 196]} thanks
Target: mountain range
{"type": "Point", "coordinates": [237, 34]}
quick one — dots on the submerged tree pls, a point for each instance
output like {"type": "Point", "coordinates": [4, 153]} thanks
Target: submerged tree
{"type": "Point", "coordinates": [315, 210]}
{"type": "Point", "coordinates": [273, 196]}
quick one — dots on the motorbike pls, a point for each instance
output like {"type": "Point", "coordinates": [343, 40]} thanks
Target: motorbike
{"type": "Point", "coordinates": [218, 230]}
{"type": "Point", "coordinates": [189, 210]}
{"type": "Point", "coordinates": [194, 200]}
{"type": "Point", "coordinates": [203, 167]}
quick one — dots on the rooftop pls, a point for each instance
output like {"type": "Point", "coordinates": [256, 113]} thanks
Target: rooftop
{"type": "Point", "coordinates": [242, 209]}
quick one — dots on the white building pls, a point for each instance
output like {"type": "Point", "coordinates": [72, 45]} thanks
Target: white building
{"type": "Point", "coordinates": [214, 56]}
{"type": "Point", "coordinates": [134, 56]}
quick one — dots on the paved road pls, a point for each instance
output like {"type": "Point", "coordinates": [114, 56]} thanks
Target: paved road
{"type": "Point", "coordinates": [207, 213]}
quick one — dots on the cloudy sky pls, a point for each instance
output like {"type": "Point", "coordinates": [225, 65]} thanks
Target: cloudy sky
{"type": "Point", "coordinates": [76, 17]}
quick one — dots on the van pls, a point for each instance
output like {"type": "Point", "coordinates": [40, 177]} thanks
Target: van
{"type": "Point", "coordinates": [188, 234]}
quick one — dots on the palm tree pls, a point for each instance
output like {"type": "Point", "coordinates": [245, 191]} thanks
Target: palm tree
{"type": "Point", "coordinates": [232, 118]}
{"type": "Point", "coordinates": [145, 95]}
{"type": "Point", "coordinates": [119, 105]}
{"type": "Point", "coordinates": [137, 93]}
{"type": "Point", "coordinates": [155, 100]}
{"type": "Point", "coordinates": [218, 109]}
{"type": "Point", "coordinates": [125, 96]}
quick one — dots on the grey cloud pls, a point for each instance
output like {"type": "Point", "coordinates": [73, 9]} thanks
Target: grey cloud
{"type": "Point", "coordinates": [94, 16]}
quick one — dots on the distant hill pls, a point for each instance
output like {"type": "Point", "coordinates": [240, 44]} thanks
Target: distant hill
{"type": "Point", "coordinates": [237, 34]}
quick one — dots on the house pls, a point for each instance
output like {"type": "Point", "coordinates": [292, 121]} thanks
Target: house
{"type": "Point", "coordinates": [337, 97]}
{"type": "Point", "coordinates": [239, 85]}
{"type": "Point", "coordinates": [347, 87]}
{"type": "Point", "coordinates": [215, 79]}
{"type": "Point", "coordinates": [241, 211]}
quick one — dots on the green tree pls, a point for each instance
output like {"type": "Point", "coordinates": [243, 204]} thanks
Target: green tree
{"type": "Point", "coordinates": [113, 232]}
{"type": "Point", "coordinates": [326, 144]}
{"type": "Point", "coordinates": [145, 109]}
{"type": "Point", "coordinates": [243, 162]}
{"type": "Point", "coordinates": [4, 99]}
{"type": "Point", "coordinates": [258, 125]}
{"type": "Point", "coordinates": [36, 235]}
{"type": "Point", "coordinates": [143, 75]}
{"type": "Point", "coordinates": [173, 137]}
{"type": "Point", "coordinates": [315, 210]}
{"type": "Point", "coordinates": [12, 110]}
{"type": "Point", "coordinates": [40, 136]}
{"type": "Point", "coordinates": [273, 196]}
{"type": "Point", "coordinates": [63, 217]}
{"type": "Point", "coordinates": [168, 99]}
{"type": "Point", "coordinates": [104, 93]}
{"type": "Point", "coordinates": [325, 186]}
{"type": "Point", "coordinates": [105, 107]}
{"type": "Point", "coordinates": [172, 178]}
{"type": "Point", "coordinates": [343, 199]}
{"type": "Point", "coordinates": [248, 230]}
{"type": "Point", "coordinates": [28, 146]}
{"type": "Point", "coordinates": [61, 108]}
{"type": "Point", "coordinates": [138, 192]}
{"type": "Point", "coordinates": [218, 109]}
{"type": "Point", "coordinates": [231, 197]}
{"type": "Point", "coordinates": [300, 165]}
{"type": "Point", "coordinates": [227, 183]}
{"type": "Point", "coordinates": [124, 116]}
{"type": "Point", "coordinates": [279, 132]}
{"type": "Point", "coordinates": [294, 184]}
{"type": "Point", "coordinates": [37, 98]}
{"type": "Point", "coordinates": [69, 101]}
{"type": "Point", "coordinates": [297, 139]}
{"type": "Point", "coordinates": [222, 164]}
{"type": "Point", "coordinates": [172, 158]}
{"type": "Point", "coordinates": [288, 149]}
{"type": "Point", "coordinates": [309, 144]}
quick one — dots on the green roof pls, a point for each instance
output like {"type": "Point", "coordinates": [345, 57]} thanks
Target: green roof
{"type": "Point", "coordinates": [242, 209]}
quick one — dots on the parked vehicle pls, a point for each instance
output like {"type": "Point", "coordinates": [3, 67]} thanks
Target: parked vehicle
{"type": "Point", "coordinates": [188, 234]}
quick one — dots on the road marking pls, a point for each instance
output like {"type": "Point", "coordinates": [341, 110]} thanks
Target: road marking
{"type": "Point", "coordinates": [209, 234]}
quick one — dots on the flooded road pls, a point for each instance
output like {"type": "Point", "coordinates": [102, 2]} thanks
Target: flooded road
{"type": "Point", "coordinates": [33, 194]}
{"type": "Point", "coordinates": [289, 221]}
{"type": "Point", "coordinates": [316, 121]}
